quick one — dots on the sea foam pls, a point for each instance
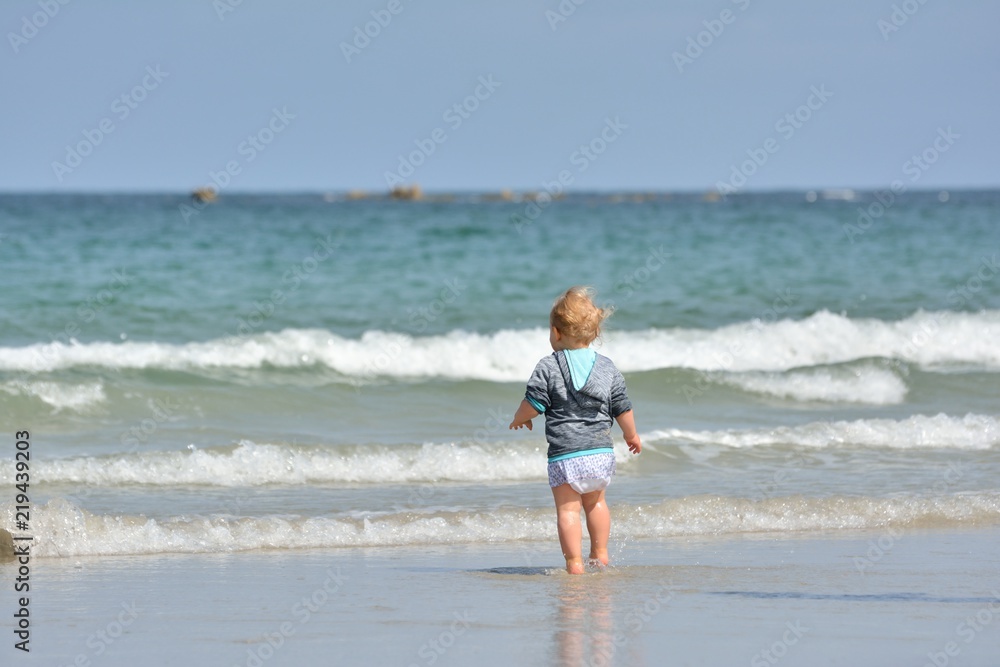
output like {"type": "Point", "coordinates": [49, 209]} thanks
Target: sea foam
{"type": "Point", "coordinates": [61, 396]}
{"type": "Point", "coordinates": [939, 431]}
{"type": "Point", "coordinates": [62, 529]}
{"type": "Point", "coordinates": [865, 384]}
{"type": "Point", "coordinates": [926, 338]}
{"type": "Point", "coordinates": [251, 464]}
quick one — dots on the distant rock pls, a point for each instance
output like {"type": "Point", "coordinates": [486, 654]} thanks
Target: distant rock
{"type": "Point", "coordinates": [503, 195]}
{"type": "Point", "coordinates": [411, 193]}
{"type": "Point", "coordinates": [204, 195]}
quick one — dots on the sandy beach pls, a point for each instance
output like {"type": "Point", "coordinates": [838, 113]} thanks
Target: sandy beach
{"type": "Point", "coordinates": [921, 598]}
{"type": "Point", "coordinates": [336, 484]}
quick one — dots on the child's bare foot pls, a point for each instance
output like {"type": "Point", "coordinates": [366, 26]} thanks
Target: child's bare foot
{"type": "Point", "coordinates": [599, 557]}
{"type": "Point", "coordinates": [574, 565]}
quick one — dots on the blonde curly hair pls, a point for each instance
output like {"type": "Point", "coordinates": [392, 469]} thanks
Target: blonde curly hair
{"type": "Point", "coordinates": [574, 314]}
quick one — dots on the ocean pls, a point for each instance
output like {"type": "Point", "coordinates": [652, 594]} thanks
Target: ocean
{"type": "Point", "coordinates": [281, 374]}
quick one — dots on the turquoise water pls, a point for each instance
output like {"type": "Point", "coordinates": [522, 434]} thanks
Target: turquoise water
{"type": "Point", "coordinates": [197, 279]}
{"type": "Point", "coordinates": [243, 369]}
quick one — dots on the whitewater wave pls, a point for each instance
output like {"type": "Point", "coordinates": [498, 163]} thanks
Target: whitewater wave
{"type": "Point", "coordinates": [75, 397]}
{"type": "Point", "coordinates": [62, 529]}
{"type": "Point", "coordinates": [866, 384]}
{"type": "Point", "coordinates": [250, 464]}
{"type": "Point", "coordinates": [928, 339]}
{"type": "Point", "coordinates": [938, 431]}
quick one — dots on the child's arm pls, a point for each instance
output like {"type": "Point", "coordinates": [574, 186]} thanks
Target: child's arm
{"type": "Point", "coordinates": [627, 423]}
{"type": "Point", "coordinates": [525, 413]}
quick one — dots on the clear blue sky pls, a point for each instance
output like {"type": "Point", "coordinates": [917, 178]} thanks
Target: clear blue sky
{"type": "Point", "coordinates": [680, 125]}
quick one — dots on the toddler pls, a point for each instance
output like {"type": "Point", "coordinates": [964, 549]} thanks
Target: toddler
{"type": "Point", "coordinates": [580, 392]}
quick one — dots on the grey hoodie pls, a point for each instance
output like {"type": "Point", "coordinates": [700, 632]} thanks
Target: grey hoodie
{"type": "Point", "coordinates": [577, 420]}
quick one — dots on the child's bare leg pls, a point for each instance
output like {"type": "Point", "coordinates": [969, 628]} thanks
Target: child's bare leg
{"type": "Point", "coordinates": [570, 532]}
{"type": "Point", "coordinates": [598, 524]}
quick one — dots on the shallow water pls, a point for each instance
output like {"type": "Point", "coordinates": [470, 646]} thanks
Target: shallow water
{"type": "Point", "coordinates": [291, 372]}
{"type": "Point", "coordinates": [826, 599]}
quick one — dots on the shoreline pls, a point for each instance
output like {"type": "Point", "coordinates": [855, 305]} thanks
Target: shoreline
{"type": "Point", "coordinates": [705, 600]}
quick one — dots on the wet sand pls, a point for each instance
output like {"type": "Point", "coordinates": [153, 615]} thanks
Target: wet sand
{"type": "Point", "coordinates": [870, 598]}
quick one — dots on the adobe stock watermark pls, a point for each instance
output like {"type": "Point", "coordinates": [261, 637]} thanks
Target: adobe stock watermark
{"type": "Point", "coordinates": [302, 613]}
{"type": "Point", "coordinates": [967, 631]}
{"type": "Point", "coordinates": [163, 412]}
{"type": "Point", "coordinates": [956, 298]}
{"type": "Point", "coordinates": [883, 545]}
{"type": "Point", "coordinates": [772, 654]}
{"type": "Point", "coordinates": [291, 279]}
{"type": "Point", "coordinates": [704, 39]}
{"type": "Point", "coordinates": [420, 318]}
{"type": "Point", "coordinates": [31, 25]}
{"type": "Point", "coordinates": [878, 548]}
{"type": "Point", "coordinates": [914, 168]}
{"type": "Point", "coordinates": [637, 618]}
{"type": "Point", "coordinates": [786, 127]}
{"type": "Point", "coordinates": [926, 331]}
{"type": "Point", "coordinates": [363, 35]}
{"type": "Point", "coordinates": [495, 422]}
{"type": "Point", "coordinates": [122, 107]}
{"type": "Point", "coordinates": [563, 11]}
{"type": "Point", "coordinates": [433, 649]}
{"type": "Point", "coordinates": [900, 16]}
{"type": "Point", "coordinates": [725, 359]}
{"type": "Point", "coordinates": [88, 310]}
{"type": "Point", "coordinates": [581, 158]}
{"type": "Point", "coordinates": [963, 294]}
{"type": "Point", "coordinates": [100, 641]}
{"type": "Point", "coordinates": [455, 115]}
{"type": "Point", "coordinates": [140, 432]}
{"type": "Point", "coordinates": [656, 259]}
{"type": "Point", "coordinates": [246, 152]}
{"type": "Point", "coordinates": [607, 645]}
{"type": "Point", "coordinates": [778, 478]}
{"type": "Point", "coordinates": [223, 7]}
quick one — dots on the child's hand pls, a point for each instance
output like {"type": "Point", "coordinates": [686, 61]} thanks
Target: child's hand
{"type": "Point", "coordinates": [627, 422]}
{"type": "Point", "coordinates": [523, 416]}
